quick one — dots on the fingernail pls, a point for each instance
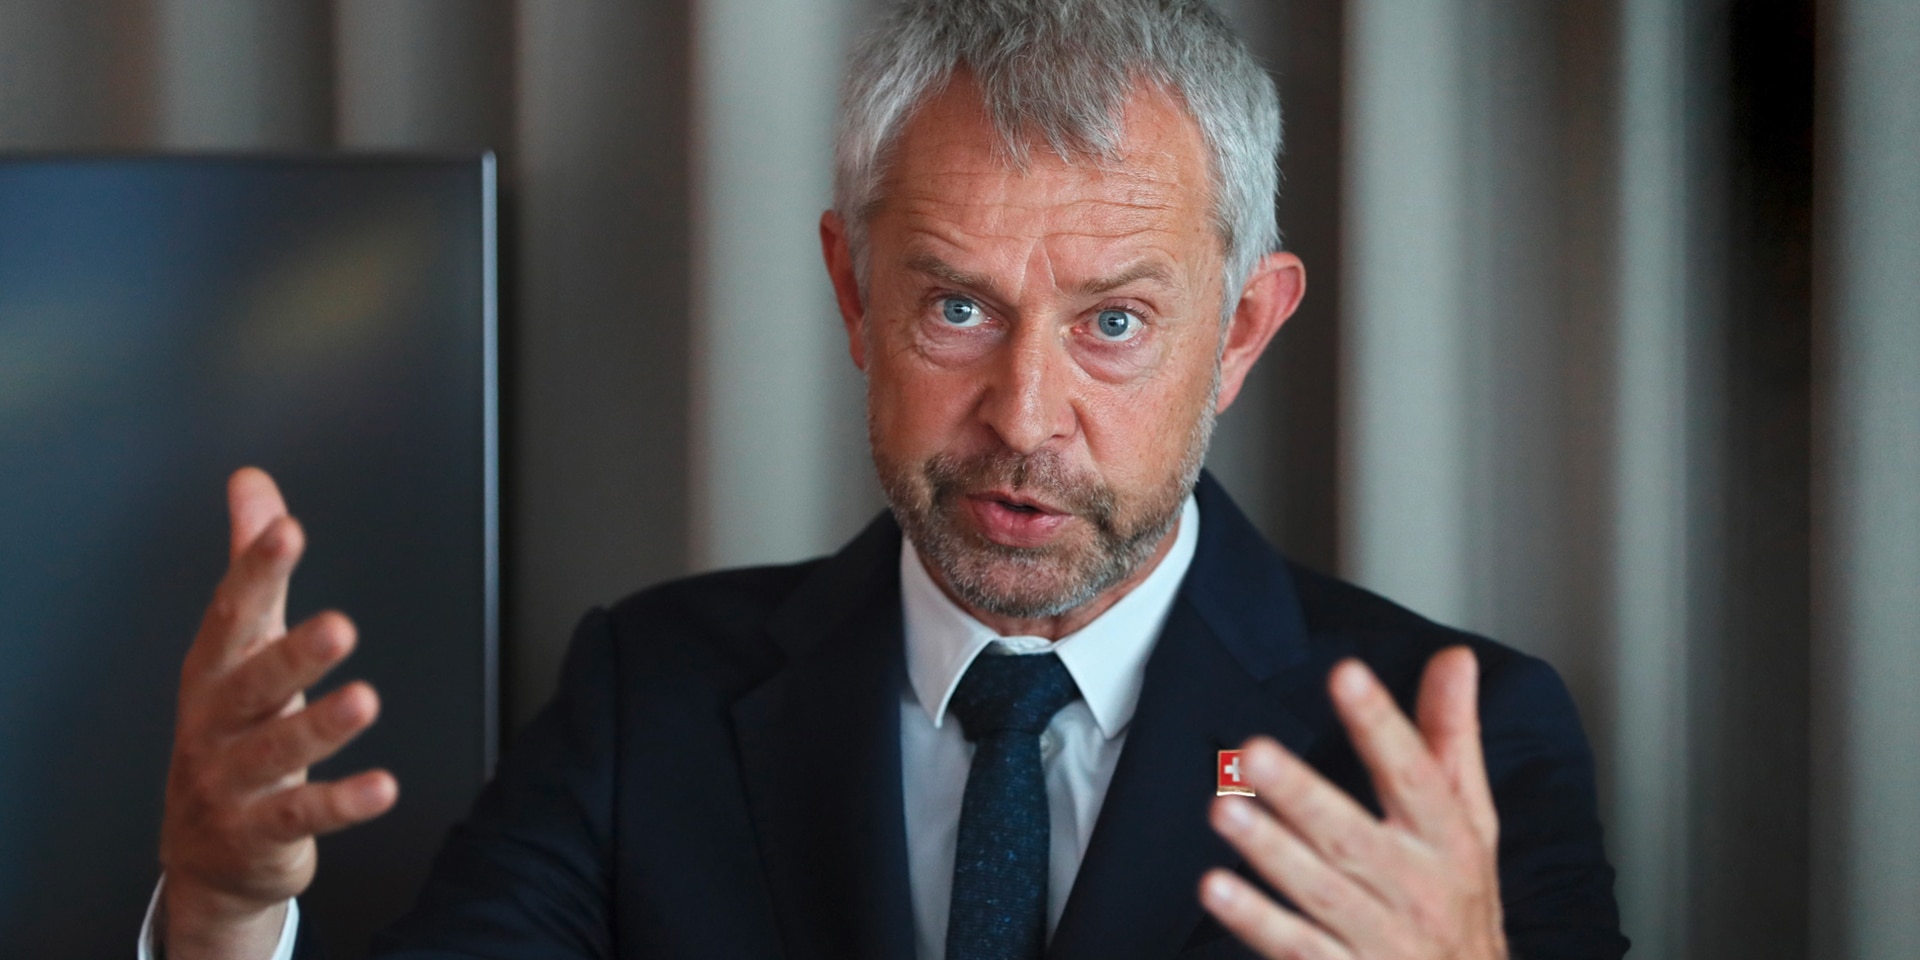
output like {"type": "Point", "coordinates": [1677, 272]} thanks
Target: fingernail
{"type": "Point", "coordinates": [1219, 890]}
{"type": "Point", "coordinates": [373, 792]}
{"type": "Point", "coordinates": [1235, 818]}
{"type": "Point", "coordinates": [320, 642]}
{"type": "Point", "coordinates": [1262, 766]}
{"type": "Point", "coordinates": [1350, 682]}
{"type": "Point", "coordinates": [346, 708]}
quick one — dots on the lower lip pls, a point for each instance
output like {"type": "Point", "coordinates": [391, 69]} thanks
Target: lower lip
{"type": "Point", "coordinates": [1015, 528]}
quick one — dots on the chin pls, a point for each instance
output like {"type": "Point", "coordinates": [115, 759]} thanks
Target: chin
{"type": "Point", "coordinates": [1114, 533]}
{"type": "Point", "coordinates": [1027, 585]}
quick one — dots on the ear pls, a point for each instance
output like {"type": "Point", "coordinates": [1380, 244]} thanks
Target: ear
{"type": "Point", "coordinates": [1272, 293]}
{"type": "Point", "coordinates": [846, 287]}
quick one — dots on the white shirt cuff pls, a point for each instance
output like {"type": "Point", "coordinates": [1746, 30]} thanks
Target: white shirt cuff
{"type": "Point", "coordinates": [281, 951]}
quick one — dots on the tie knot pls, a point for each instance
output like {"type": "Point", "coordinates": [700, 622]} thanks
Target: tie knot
{"type": "Point", "coordinates": [1015, 692]}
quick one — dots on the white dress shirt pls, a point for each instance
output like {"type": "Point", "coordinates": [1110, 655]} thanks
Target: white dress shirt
{"type": "Point", "coordinates": [1108, 661]}
{"type": "Point", "coordinates": [281, 951]}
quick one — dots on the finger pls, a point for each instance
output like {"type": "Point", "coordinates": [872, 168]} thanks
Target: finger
{"type": "Point", "coordinates": [249, 605]}
{"type": "Point", "coordinates": [1270, 929]}
{"type": "Point", "coordinates": [253, 501]}
{"type": "Point", "coordinates": [1449, 716]}
{"type": "Point", "coordinates": [261, 686]}
{"type": "Point", "coordinates": [1353, 913]}
{"type": "Point", "coordinates": [289, 745]}
{"type": "Point", "coordinates": [1341, 831]}
{"type": "Point", "coordinates": [1408, 780]}
{"type": "Point", "coordinates": [312, 809]}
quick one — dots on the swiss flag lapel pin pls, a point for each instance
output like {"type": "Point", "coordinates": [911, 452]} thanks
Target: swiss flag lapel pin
{"type": "Point", "coordinates": [1233, 781]}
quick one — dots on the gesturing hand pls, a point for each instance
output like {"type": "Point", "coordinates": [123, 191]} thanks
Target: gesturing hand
{"type": "Point", "coordinates": [237, 838]}
{"type": "Point", "coordinates": [1422, 883]}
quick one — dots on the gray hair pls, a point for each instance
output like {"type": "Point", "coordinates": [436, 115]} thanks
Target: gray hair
{"type": "Point", "coordinates": [1059, 72]}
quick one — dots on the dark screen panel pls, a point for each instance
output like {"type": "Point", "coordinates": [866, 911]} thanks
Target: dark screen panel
{"type": "Point", "coordinates": [163, 321]}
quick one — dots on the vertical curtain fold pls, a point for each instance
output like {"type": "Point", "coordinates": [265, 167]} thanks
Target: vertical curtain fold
{"type": "Point", "coordinates": [1650, 576]}
{"type": "Point", "coordinates": [779, 462]}
{"type": "Point", "coordinates": [1866, 655]}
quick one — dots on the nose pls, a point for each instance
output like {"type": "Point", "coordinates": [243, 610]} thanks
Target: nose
{"type": "Point", "coordinates": [1028, 402]}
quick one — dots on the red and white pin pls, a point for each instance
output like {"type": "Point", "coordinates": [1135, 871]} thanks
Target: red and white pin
{"type": "Point", "coordinates": [1233, 780]}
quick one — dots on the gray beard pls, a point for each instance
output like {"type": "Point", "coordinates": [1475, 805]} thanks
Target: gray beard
{"type": "Point", "coordinates": [1031, 583]}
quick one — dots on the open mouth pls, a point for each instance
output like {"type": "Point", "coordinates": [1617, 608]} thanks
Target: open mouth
{"type": "Point", "coordinates": [1013, 520]}
{"type": "Point", "coordinates": [1019, 504]}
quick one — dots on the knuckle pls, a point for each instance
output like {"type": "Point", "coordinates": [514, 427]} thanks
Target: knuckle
{"type": "Point", "coordinates": [237, 694]}
{"type": "Point", "coordinates": [204, 784]}
{"type": "Point", "coordinates": [1429, 915]}
{"type": "Point", "coordinates": [1346, 850]}
{"type": "Point", "coordinates": [288, 818]}
{"type": "Point", "coordinates": [223, 611]}
{"type": "Point", "coordinates": [1325, 899]}
{"type": "Point", "coordinates": [293, 537]}
{"type": "Point", "coordinates": [1410, 771]}
{"type": "Point", "coordinates": [268, 754]}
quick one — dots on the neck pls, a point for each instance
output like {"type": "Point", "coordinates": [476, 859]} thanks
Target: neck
{"type": "Point", "coordinates": [1061, 625]}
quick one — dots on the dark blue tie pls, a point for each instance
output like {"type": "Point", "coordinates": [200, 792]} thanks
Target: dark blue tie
{"type": "Point", "coordinates": [999, 909]}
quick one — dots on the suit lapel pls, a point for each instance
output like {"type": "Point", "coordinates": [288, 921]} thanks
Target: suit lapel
{"type": "Point", "coordinates": [819, 746]}
{"type": "Point", "coordinates": [1232, 661]}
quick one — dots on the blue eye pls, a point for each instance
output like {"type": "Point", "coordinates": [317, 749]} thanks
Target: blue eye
{"type": "Point", "coordinates": [1116, 326]}
{"type": "Point", "coordinates": [961, 312]}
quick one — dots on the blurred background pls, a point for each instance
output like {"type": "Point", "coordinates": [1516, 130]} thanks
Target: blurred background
{"type": "Point", "coordinates": [1611, 350]}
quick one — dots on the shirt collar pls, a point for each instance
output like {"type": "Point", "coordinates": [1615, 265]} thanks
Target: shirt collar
{"type": "Point", "coordinates": [1107, 658]}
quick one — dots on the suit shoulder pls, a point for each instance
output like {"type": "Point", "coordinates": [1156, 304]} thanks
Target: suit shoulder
{"type": "Point", "coordinates": [711, 623]}
{"type": "Point", "coordinates": [737, 598]}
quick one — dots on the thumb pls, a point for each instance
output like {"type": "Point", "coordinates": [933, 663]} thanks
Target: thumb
{"type": "Point", "coordinates": [253, 501]}
{"type": "Point", "coordinates": [1449, 719]}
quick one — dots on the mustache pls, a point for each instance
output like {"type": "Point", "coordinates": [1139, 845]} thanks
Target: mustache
{"type": "Point", "coordinates": [1043, 475]}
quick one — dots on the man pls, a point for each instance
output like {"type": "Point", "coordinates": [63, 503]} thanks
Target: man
{"type": "Point", "coordinates": [1001, 734]}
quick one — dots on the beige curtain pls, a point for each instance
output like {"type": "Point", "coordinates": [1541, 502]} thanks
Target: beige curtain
{"type": "Point", "coordinates": [1611, 350]}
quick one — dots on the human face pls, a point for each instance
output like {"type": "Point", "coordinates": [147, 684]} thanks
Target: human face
{"type": "Point", "coordinates": [1043, 349]}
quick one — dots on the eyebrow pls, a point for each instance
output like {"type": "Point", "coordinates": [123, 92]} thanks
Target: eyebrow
{"type": "Point", "coordinates": [1152, 270]}
{"type": "Point", "coordinates": [951, 275]}
{"type": "Point", "coordinates": [1149, 270]}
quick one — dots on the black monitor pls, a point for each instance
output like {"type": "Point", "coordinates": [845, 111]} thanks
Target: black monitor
{"type": "Point", "coordinates": [164, 320]}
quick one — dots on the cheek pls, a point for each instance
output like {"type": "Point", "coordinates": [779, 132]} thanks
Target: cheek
{"type": "Point", "coordinates": [1140, 428]}
{"type": "Point", "coordinates": [916, 409]}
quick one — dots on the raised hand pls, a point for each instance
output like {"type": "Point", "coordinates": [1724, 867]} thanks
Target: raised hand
{"type": "Point", "coordinates": [1421, 883]}
{"type": "Point", "coordinates": [237, 840]}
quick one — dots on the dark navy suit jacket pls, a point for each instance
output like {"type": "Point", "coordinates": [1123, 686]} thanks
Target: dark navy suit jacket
{"type": "Point", "coordinates": [719, 774]}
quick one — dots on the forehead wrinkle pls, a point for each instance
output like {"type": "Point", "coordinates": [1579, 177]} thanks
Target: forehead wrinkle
{"type": "Point", "coordinates": [1152, 265]}
{"type": "Point", "coordinates": [963, 224]}
{"type": "Point", "coordinates": [1073, 224]}
{"type": "Point", "coordinates": [996, 185]}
